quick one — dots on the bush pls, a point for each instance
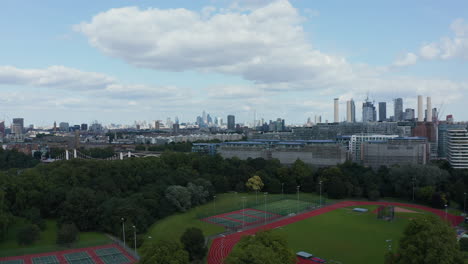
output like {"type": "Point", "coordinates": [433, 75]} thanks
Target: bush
{"type": "Point", "coordinates": [28, 234]}
{"type": "Point", "coordinates": [464, 244]}
{"type": "Point", "coordinates": [194, 243]}
{"type": "Point", "coordinates": [67, 234]}
{"type": "Point", "coordinates": [374, 195]}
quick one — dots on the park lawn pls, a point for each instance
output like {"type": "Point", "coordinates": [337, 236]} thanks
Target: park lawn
{"type": "Point", "coordinates": [46, 243]}
{"type": "Point", "coordinates": [172, 227]}
{"type": "Point", "coordinates": [346, 236]}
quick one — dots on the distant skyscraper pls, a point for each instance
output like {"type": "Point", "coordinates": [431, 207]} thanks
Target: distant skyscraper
{"type": "Point", "coordinates": [420, 109]}
{"type": "Point", "coordinates": [318, 119]}
{"type": "Point", "coordinates": [2, 128]}
{"type": "Point", "coordinates": [429, 110]}
{"type": "Point", "coordinates": [409, 114]}
{"type": "Point", "coordinates": [398, 109]}
{"type": "Point", "coordinates": [204, 116]}
{"type": "Point", "coordinates": [157, 125]}
{"type": "Point", "coordinates": [19, 122]}
{"type": "Point", "coordinates": [350, 111]}
{"type": "Point", "coordinates": [368, 112]}
{"type": "Point", "coordinates": [336, 110]}
{"type": "Point", "coordinates": [177, 120]}
{"type": "Point", "coordinates": [64, 126]}
{"type": "Point", "coordinates": [382, 111]}
{"type": "Point", "coordinates": [55, 126]}
{"type": "Point", "coordinates": [209, 120]}
{"type": "Point", "coordinates": [84, 127]}
{"type": "Point", "coordinates": [231, 125]}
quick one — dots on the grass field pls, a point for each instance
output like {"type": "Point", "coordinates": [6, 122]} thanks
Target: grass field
{"type": "Point", "coordinates": [46, 243]}
{"type": "Point", "coordinates": [172, 227]}
{"type": "Point", "coordinates": [346, 236]}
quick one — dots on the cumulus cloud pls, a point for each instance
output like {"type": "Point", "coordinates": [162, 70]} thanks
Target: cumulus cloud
{"type": "Point", "coordinates": [54, 76]}
{"type": "Point", "coordinates": [408, 59]}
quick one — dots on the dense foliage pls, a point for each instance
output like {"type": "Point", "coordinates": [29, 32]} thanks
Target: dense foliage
{"type": "Point", "coordinates": [14, 159]}
{"type": "Point", "coordinates": [263, 247]}
{"type": "Point", "coordinates": [96, 194]}
{"type": "Point", "coordinates": [165, 252]}
{"type": "Point", "coordinates": [193, 241]}
{"type": "Point", "coordinates": [428, 239]}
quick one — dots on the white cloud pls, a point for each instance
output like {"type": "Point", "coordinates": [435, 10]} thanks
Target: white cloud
{"type": "Point", "coordinates": [408, 59]}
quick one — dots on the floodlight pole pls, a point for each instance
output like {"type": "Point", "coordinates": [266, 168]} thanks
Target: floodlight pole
{"type": "Point", "coordinates": [464, 203]}
{"type": "Point", "coordinates": [320, 183]}
{"type": "Point", "coordinates": [123, 229]}
{"type": "Point", "coordinates": [298, 198]}
{"type": "Point", "coordinates": [134, 237]}
{"type": "Point", "coordinates": [243, 210]}
{"type": "Point", "coordinates": [414, 179]}
{"type": "Point", "coordinates": [282, 190]}
{"type": "Point", "coordinates": [446, 212]}
{"type": "Point", "coordinates": [214, 204]}
{"type": "Point", "coordinates": [264, 196]}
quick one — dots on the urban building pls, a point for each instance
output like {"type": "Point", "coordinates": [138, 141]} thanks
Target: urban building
{"type": "Point", "coordinates": [398, 109]}
{"type": "Point", "coordinates": [458, 148]}
{"type": "Point", "coordinates": [368, 112]}
{"type": "Point", "coordinates": [313, 152]}
{"type": "Point", "coordinates": [19, 122]}
{"type": "Point", "coordinates": [84, 127]}
{"type": "Point", "coordinates": [429, 110]}
{"type": "Point", "coordinates": [231, 122]}
{"type": "Point", "coordinates": [442, 136]}
{"type": "Point", "coordinates": [2, 128]}
{"type": "Point", "coordinates": [350, 111]}
{"type": "Point", "coordinates": [356, 142]}
{"type": "Point", "coordinates": [205, 148]}
{"type": "Point", "coordinates": [64, 126]}
{"type": "Point", "coordinates": [382, 111]}
{"type": "Point", "coordinates": [394, 151]}
{"type": "Point", "coordinates": [420, 109]}
{"type": "Point", "coordinates": [409, 114]}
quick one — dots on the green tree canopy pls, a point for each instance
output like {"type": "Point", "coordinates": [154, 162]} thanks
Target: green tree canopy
{"type": "Point", "coordinates": [428, 239]}
{"type": "Point", "coordinates": [193, 241]}
{"type": "Point", "coordinates": [165, 252]}
{"type": "Point", "coordinates": [28, 234]}
{"type": "Point", "coordinates": [255, 183]}
{"type": "Point", "coordinates": [67, 234]}
{"type": "Point", "coordinates": [264, 247]}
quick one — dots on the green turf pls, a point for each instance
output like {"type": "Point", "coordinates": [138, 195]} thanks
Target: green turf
{"type": "Point", "coordinates": [284, 207]}
{"type": "Point", "coordinates": [172, 227]}
{"type": "Point", "coordinates": [346, 236]}
{"type": "Point", "coordinates": [46, 243]}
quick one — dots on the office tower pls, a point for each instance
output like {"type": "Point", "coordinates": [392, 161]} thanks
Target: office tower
{"type": "Point", "coordinates": [204, 117]}
{"type": "Point", "coordinates": [209, 120]}
{"type": "Point", "coordinates": [157, 125]}
{"type": "Point", "coordinates": [398, 109]}
{"type": "Point", "coordinates": [409, 114]}
{"type": "Point", "coordinates": [350, 111]}
{"type": "Point", "coordinates": [382, 111]}
{"type": "Point", "coordinates": [435, 115]}
{"type": "Point", "coordinates": [458, 148]}
{"type": "Point", "coordinates": [336, 118]}
{"type": "Point", "coordinates": [231, 125]}
{"type": "Point", "coordinates": [368, 112]}
{"type": "Point", "coordinates": [2, 128]}
{"type": "Point", "coordinates": [429, 110]}
{"type": "Point", "coordinates": [84, 127]}
{"type": "Point", "coordinates": [64, 126]}
{"type": "Point", "coordinates": [318, 119]}
{"type": "Point", "coordinates": [177, 120]}
{"type": "Point", "coordinates": [19, 124]}
{"type": "Point", "coordinates": [420, 109]}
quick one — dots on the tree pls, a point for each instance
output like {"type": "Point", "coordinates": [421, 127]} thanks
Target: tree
{"type": "Point", "coordinates": [336, 188]}
{"type": "Point", "coordinates": [165, 252]}
{"type": "Point", "coordinates": [428, 239]}
{"type": "Point", "coordinates": [34, 216]}
{"type": "Point", "coordinates": [254, 183]}
{"type": "Point", "coordinates": [80, 208]}
{"type": "Point", "coordinates": [264, 247]}
{"type": "Point", "coordinates": [194, 243]}
{"type": "Point", "coordinates": [28, 234]}
{"type": "Point", "coordinates": [180, 197]}
{"type": "Point", "coordinates": [463, 244]}
{"type": "Point", "coordinates": [67, 234]}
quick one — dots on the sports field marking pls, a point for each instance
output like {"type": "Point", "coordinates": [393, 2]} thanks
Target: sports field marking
{"type": "Point", "coordinates": [19, 261]}
{"type": "Point", "coordinates": [222, 221]}
{"type": "Point", "coordinates": [242, 218]}
{"type": "Point", "coordinates": [45, 260]}
{"type": "Point", "coordinates": [111, 256]}
{"type": "Point", "coordinates": [79, 258]}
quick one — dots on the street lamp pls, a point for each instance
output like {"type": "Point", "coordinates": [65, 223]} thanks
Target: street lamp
{"type": "Point", "coordinates": [134, 237]}
{"type": "Point", "coordinates": [320, 183]}
{"type": "Point", "coordinates": [243, 210]}
{"type": "Point", "coordinates": [414, 180]}
{"type": "Point", "coordinates": [214, 204]}
{"type": "Point", "coordinates": [282, 190]}
{"type": "Point", "coordinates": [298, 198]}
{"type": "Point", "coordinates": [264, 198]}
{"type": "Point", "coordinates": [123, 229]}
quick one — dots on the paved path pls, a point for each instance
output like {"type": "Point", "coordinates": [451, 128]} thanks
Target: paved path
{"type": "Point", "coordinates": [222, 246]}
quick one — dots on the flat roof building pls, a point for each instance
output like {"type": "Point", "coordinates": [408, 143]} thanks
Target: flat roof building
{"type": "Point", "coordinates": [458, 148]}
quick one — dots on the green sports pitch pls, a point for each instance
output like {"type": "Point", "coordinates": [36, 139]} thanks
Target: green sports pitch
{"type": "Point", "coordinates": [346, 236]}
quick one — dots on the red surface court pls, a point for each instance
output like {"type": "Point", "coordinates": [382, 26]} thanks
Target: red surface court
{"type": "Point", "coordinates": [222, 246]}
{"type": "Point", "coordinates": [28, 259]}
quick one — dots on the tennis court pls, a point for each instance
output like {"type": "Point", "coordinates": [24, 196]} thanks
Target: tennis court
{"type": "Point", "coordinates": [20, 261]}
{"type": "Point", "coordinates": [79, 258]}
{"type": "Point", "coordinates": [112, 256]}
{"type": "Point", "coordinates": [241, 218]}
{"type": "Point", "coordinates": [45, 260]}
{"type": "Point", "coordinates": [286, 207]}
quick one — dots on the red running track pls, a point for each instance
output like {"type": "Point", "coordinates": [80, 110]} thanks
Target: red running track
{"type": "Point", "coordinates": [27, 259]}
{"type": "Point", "coordinates": [222, 246]}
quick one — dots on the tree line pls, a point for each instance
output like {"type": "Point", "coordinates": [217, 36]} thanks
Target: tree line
{"type": "Point", "coordinates": [94, 195]}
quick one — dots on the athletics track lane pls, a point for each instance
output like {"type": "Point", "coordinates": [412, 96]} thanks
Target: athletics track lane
{"type": "Point", "coordinates": [221, 247]}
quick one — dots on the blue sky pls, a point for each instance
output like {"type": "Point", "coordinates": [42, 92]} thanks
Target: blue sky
{"type": "Point", "coordinates": [120, 61]}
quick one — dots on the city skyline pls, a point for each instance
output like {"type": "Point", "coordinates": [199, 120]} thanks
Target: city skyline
{"type": "Point", "coordinates": [289, 59]}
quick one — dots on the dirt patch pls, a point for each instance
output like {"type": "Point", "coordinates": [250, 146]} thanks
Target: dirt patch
{"type": "Point", "coordinates": [404, 210]}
